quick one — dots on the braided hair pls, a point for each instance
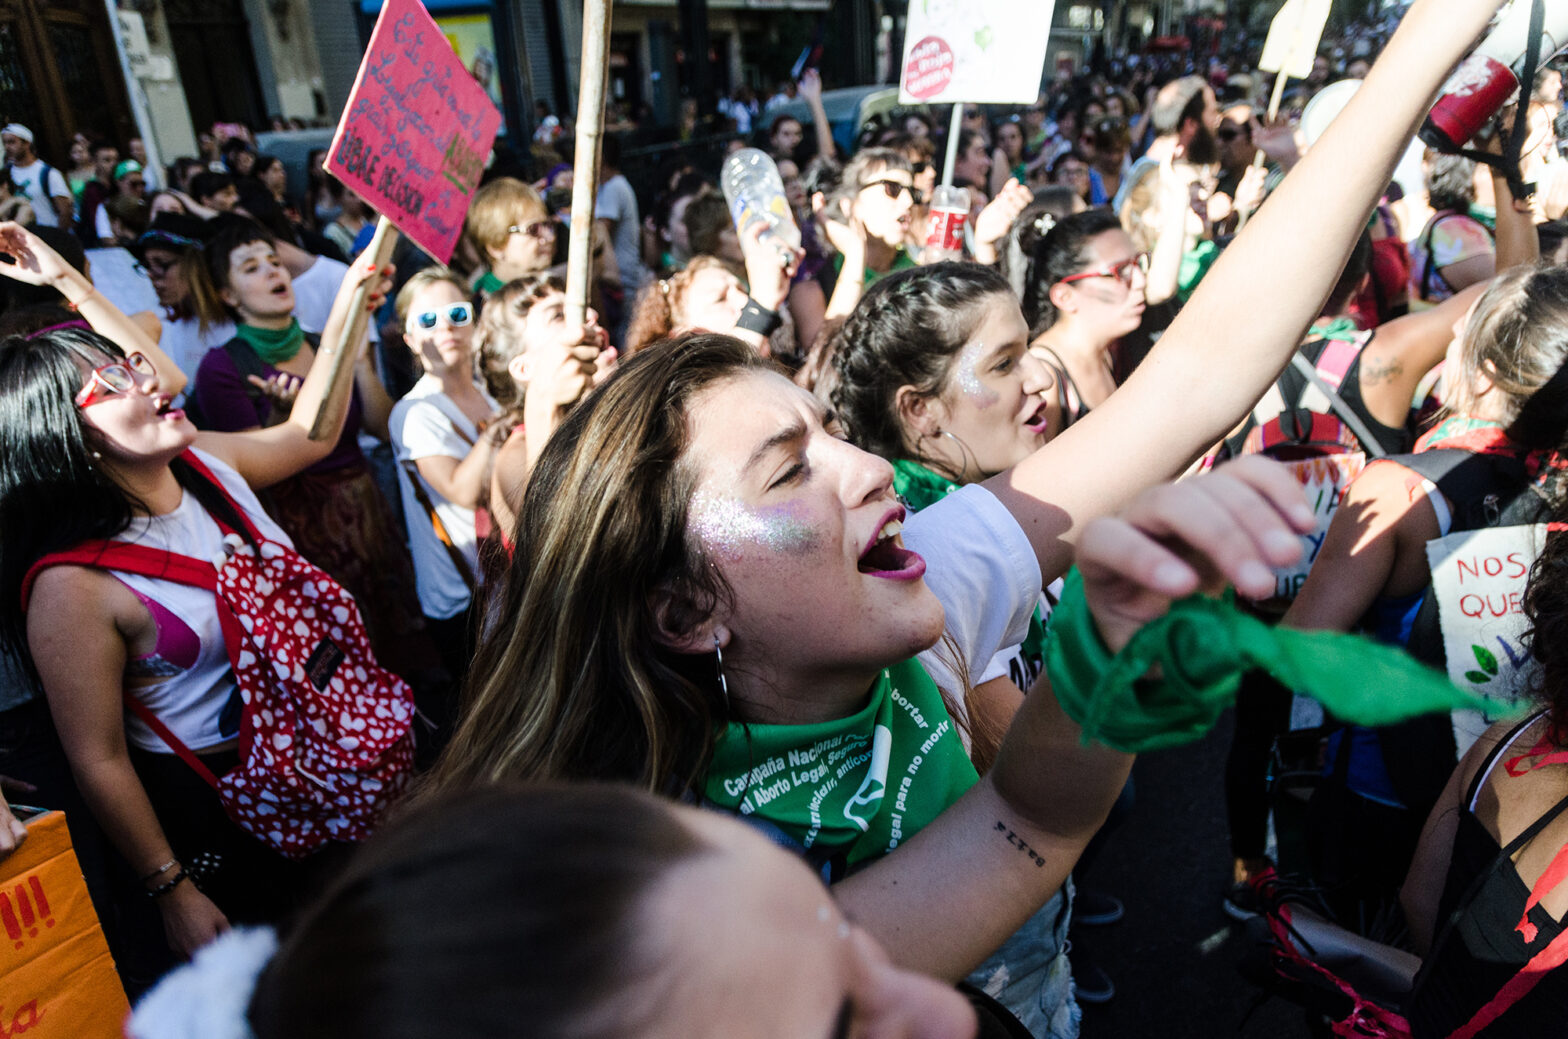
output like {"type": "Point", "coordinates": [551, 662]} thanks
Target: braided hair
{"type": "Point", "coordinates": [906, 331]}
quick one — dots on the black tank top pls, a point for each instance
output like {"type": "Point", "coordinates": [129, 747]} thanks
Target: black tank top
{"type": "Point", "coordinates": [1478, 949]}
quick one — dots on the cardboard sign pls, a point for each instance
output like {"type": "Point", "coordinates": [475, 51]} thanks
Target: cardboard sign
{"type": "Point", "coordinates": [986, 51]}
{"type": "Point", "coordinates": [1479, 578]}
{"type": "Point", "coordinates": [417, 129]}
{"type": "Point", "coordinates": [1324, 481]}
{"type": "Point", "coordinates": [1292, 45]}
{"type": "Point", "coordinates": [58, 981]}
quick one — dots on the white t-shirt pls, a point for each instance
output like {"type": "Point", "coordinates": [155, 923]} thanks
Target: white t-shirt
{"type": "Point", "coordinates": [617, 203]}
{"type": "Point", "coordinates": [985, 573]}
{"type": "Point", "coordinates": [314, 292]}
{"type": "Point", "coordinates": [28, 186]}
{"type": "Point", "coordinates": [427, 424]}
{"type": "Point", "coordinates": [200, 682]}
{"type": "Point", "coordinates": [185, 344]}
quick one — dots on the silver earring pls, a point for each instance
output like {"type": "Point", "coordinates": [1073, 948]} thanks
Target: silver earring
{"type": "Point", "coordinates": [724, 685]}
{"type": "Point", "coordinates": [96, 455]}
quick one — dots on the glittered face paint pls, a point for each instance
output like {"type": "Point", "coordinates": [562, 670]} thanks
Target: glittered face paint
{"type": "Point", "coordinates": [728, 527]}
{"type": "Point", "coordinates": [968, 375]}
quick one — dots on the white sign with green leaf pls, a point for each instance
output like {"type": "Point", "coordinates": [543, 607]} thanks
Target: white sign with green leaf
{"type": "Point", "coordinates": [1479, 579]}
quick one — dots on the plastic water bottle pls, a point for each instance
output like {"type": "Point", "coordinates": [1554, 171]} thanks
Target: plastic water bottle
{"type": "Point", "coordinates": [755, 191]}
{"type": "Point", "coordinates": [945, 230]}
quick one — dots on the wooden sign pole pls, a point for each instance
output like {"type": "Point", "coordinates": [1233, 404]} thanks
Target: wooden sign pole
{"type": "Point", "coordinates": [594, 82]}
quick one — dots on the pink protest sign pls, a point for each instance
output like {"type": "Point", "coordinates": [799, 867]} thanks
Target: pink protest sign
{"type": "Point", "coordinates": [417, 129]}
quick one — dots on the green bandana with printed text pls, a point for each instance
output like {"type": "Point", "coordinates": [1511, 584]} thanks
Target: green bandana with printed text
{"type": "Point", "coordinates": [853, 788]}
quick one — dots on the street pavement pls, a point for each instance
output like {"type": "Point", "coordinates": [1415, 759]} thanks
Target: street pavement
{"type": "Point", "coordinates": [1173, 956]}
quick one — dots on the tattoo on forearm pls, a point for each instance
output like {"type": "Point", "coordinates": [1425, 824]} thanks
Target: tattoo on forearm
{"type": "Point", "coordinates": [1374, 372]}
{"type": "Point", "coordinates": [1018, 842]}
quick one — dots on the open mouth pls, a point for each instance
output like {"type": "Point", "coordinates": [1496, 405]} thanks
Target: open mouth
{"type": "Point", "coordinates": [1040, 422]}
{"type": "Point", "coordinates": [166, 409]}
{"type": "Point", "coordinates": [885, 557]}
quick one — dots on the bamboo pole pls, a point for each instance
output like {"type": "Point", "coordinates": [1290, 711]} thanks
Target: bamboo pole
{"type": "Point", "coordinates": [346, 353]}
{"type": "Point", "coordinates": [593, 85]}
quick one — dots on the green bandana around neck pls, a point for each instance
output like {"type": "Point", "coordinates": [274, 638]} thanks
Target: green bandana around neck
{"type": "Point", "coordinates": [489, 284]}
{"type": "Point", "coordinates": [273, 345]}
{"type": "Point", "coordinates": [1342, 329]}
{"type": "Point", "coordinates": [853, 788]}
{"type": "Point", "coordinates": [1203, 646]}
{"type": "Point", "coordinates": [919, 485]}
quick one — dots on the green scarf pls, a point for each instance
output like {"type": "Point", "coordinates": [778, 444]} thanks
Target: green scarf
{"type": "Point", "coordinates": [1203, 646]}
{"type": "Point", "coordinates": [1341, 328]}
{"type": "Point", "coordinates": [854, 788]}
{"type": "Point", "coordinates": [273, 345]}
{"type": "Point", "coordinates": [920, 487]}
{"type": "Point", "coordinates": [489, 284]}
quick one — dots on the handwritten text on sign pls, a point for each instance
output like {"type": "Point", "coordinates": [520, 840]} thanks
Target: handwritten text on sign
{"type": "Point", "coordinates": [1479, 578]}
{"type": "Point", "coordinates": [1324, 481]}
{"type": "Point", "coordinates": [416, 131]}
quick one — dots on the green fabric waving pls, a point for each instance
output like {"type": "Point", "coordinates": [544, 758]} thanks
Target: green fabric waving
{"type": "Point", "coordinates": [854, 787]}
{"type": "Point", "coordinates": [1203, 646]}
{"type": "Point", "coordinates": [273, 345]}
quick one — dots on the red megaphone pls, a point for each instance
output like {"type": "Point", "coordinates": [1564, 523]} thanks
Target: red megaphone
{"type": "Point", "coordinates": [1484, 81]}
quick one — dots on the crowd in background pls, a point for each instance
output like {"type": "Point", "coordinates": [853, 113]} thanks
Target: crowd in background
{"type": "Point", "coordinates": [676, 542]}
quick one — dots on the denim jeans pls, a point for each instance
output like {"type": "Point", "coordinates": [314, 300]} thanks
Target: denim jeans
{"type": "Point", "coordinates": [1030, 974]}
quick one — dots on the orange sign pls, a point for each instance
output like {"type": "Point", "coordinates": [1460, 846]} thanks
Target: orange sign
{"type": "Point", "coordinates": [58, 980]}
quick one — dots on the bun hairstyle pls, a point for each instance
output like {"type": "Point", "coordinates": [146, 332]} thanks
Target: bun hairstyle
{"type": "Point", "coordinates": [1061, 253]}
{"type": "Point", "coordinates": [1051, 204]}
{"type": "Point", "coordinates": [905, 331]}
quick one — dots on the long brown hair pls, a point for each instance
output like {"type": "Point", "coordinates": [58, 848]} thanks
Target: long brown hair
{"type": "Point", "coordinates": [577, 684]}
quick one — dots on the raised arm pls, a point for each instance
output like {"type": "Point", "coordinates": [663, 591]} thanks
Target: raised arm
{"type": "Point", "coordinates": [810, 88]}
{"type": "Point", "coordinates": [265, 456]}
{"type": "Point", "coordinates": [1404, 350]}
{"type": "Point", "coordinates": [37, 264]}
{"type": "Point", "coordinates": [1239, 330]}
{"type": "Point", "coordinates": [963, 884]}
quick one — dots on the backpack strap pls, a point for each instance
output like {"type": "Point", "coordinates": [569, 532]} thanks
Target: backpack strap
{"type": "Point", "coordinates": [1342, 411]}
{"type": "Point", "coordinates": [190, 459]}
{"type": "Point", "coordinates": [164, 566]}
{"type": "Point", "coordinates": [466, 572]}
{"type": "Point", "coordinates": [185, 754]}
{"type": "Point", "coordinates": [132, 559]}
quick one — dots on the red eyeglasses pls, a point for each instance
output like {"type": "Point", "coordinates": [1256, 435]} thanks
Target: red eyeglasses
{"type": "Point", "coordinates": [113, 379]}
{"type": "Point", "coordinates": [1121, 271]}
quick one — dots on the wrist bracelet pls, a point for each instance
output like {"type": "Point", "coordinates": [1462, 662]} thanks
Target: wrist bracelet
{"type": "Point", "coordinates": [170, 885]}
{"type": "Point", "coordinates": [755, 317]}
{"type": "Point", "coordinates": [73, 305]}
{"type": "Point", "coordinates": [160, 871]}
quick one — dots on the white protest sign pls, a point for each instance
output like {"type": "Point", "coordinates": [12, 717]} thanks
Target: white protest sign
{"type": "Point", "coordinates": [985, 51]}
{"type": "Point", "coordinates": [1479, 577]}
{"type": "Point", "coordinates": [1323, 480]}
{"type": "Point", "coordinates": [1292, 45]}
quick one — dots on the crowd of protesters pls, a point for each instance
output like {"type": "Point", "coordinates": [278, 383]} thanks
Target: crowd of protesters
{"type": "Point", "coordinates": [820, 545]}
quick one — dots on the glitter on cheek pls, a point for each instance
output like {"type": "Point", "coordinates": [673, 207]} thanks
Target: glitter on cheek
{"type": "Point", "coordinates": [969, 376]}
{"type": "Point", "coordinates": [728, 527]}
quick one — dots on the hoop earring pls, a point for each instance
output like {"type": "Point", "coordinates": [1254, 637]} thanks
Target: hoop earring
{"type": "Point", "coordinates": [724, 685]}
{"type": "Point", "coordinates": [963, 450]}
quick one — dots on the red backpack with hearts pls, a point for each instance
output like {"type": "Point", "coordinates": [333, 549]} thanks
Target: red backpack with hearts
{"type": "Point", "coordinates": [326, 739]}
